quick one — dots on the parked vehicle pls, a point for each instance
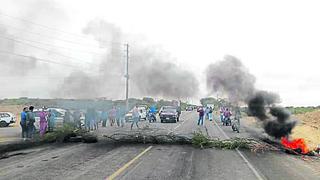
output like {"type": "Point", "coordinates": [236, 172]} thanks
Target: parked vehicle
{"type": "Point", "coordinates": [59, 113]}
{"type": "Point", "coordinates": [189, 108]}
{"type": "Point", "coordinates": [128, 116]}
{"type": "Point", "coordinates": [177, 108]}
{"type": "Point", "coordinates": [7, 118]}
{"type": "Point", "coordinates": [142, 112]}
{"type": "Point", "coordinates": [169, 114]}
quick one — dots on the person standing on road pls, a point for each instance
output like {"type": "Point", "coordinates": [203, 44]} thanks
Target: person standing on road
{"type": "Point", "coordinates": [104, 117]}
{"type": "Point", "coordinates": [23, 123]}
{"type": "Point", "coordinates": [76, 117]}
{"type": "Point", "coordinates": [135, 117]}
{"type": "Point", "coordinates": [210, 114]}
{"type": "Point", "coordinates": [43, 122]}
{"type": "Point", "coordinates": [118, 116]}
{"type": "Point", "coordinates": [227, 115]}
{"type": "Point", "coordinates": [112, 115]}
{"type": "Point", "coordinates": [201, 114]}
{"type": "Point", "coordinates": [52, 120]}
{"type": "Point", "coordinates": [30, 122]}
{"type": "Point", "coordinates": [221, 114]}
{"type": "Point", "coordinates": [122, 113]}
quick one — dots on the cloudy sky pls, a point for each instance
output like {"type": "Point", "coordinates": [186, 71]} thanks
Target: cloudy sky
{"type": "Point", "coordinates": [278, 40]}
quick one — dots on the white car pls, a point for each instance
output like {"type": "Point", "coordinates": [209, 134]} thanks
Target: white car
{"type": "Point", "coordinates": [7, 118]}
{"type": "Point", "coordinates": [143, 112]}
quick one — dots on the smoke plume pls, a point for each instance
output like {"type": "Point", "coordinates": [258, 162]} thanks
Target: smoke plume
{"type": "Point", "coordinates": [151, 70]}
{"type": "Point", "coordinates": [276, 122]}
{"type": "Point", "coordinates": [12, 64]}
{"type": "Point", "coordinates": [232, 78]}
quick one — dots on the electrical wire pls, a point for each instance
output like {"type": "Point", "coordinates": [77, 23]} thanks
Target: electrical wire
{"type": "Point", "coordinates": [56, 46]}
{"type": "Point", "coordinates": [49, 28]}
{"type": "Point", "coordinates": [39, 59]}
{"type": "Point", "coordinates": [37, 47]}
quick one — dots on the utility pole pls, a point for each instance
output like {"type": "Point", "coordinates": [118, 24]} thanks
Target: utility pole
{"type": "Point", "coordinates": [127, 77]}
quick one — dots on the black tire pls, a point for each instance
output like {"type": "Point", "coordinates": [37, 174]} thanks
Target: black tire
{"type": "Point", "coordinates": [161, 121]}
{"type": "Point", "coordinates": [3, 124]}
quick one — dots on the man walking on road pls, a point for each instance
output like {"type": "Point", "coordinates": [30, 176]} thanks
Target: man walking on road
{"type": "Point", "coordinates": [112, 115]}
{"type": "Point", "coordinates": [135, 117]}
{"type": "Point", "coordinates": [23, 123]}
{"type": "Point", "coordinates": [104, 117]}
{"type": "Point", "coordinates": [210, 114]}
{"type": "Point", "coordinates": [201, 114]}
{"type": "Point", "coordinates": [30, 119]}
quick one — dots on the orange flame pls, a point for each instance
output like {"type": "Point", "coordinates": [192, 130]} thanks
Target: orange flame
{"type": "Point", "coordinates": [295, 144]}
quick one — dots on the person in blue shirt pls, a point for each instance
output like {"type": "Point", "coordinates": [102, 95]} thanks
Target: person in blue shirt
{"type": "Point", "coordinates": [23, 123]}
{"type": "Point", "coordinates": [153, 109]}
{"type": "Point", "coordinates": [104, 117]}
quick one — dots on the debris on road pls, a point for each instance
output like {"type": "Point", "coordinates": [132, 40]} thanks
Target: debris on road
{"type": "Point", "coordinates": [141, 137]}
{"type": "Point", "coordinates": [202, 141]}
{"type": "Point", "coordinates": [198, 140]}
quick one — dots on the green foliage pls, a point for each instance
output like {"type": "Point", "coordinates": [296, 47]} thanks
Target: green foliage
{"type": "Point", "coordinates": [216, 102]}
{"type": "Point", "coordinates": [302, 110]}
{"type": "Point", "coordinates": [60, 134]}
{"type": "Point", "coordinates": [148, 100]}
{"type": "Point", "coordinates": [202, 141]}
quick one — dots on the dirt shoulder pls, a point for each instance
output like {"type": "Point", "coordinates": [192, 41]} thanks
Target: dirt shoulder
{"type": "Point", "coordinates": [308, 128]}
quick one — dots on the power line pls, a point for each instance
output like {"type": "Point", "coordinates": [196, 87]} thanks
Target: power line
{"type": "Point", "coordinates": [51, 37]}
{"type": "Point", "coordinates": [18, 41]}
{"type": "Point", "coordinates": [39, 59]}
{"type": "Point", "coordinates": [47, 27]}
{"type": "Point", "coordinates": [46, 44]}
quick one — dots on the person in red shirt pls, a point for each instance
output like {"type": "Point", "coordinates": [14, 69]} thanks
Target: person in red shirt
{"type": "Point", "coordinates": [201, 114]}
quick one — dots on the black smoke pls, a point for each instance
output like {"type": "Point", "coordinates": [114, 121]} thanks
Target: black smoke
{"type": "Point", "coordinates": [232, 78]}
{"type": "Point", "coordinates": [276, 120]}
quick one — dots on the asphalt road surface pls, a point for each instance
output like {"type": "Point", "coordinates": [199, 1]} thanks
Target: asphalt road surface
{"type": "Point", "coordinates": [148, 161]}
{"type": "Point", "coordinates": [10, 133]}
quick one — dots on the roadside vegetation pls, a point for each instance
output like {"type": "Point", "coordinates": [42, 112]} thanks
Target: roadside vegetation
{"type": "Point", "coordinates": [68, 133]}
{"type": "Point", "coordinates": [202, 141]}
{"type": "Point", "coordinates": [302, 110]}
{"type": "Point", "coordinates": [100, 103]}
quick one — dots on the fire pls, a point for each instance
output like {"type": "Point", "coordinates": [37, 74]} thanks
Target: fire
{"type": "Point", "coordinates": [296, 144]}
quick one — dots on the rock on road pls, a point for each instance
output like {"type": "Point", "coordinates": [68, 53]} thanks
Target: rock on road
{"type": "Point", "coordinates": [102, 160]}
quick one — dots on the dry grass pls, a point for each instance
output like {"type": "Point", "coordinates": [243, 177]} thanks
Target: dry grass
{"type": "Point", "coordinates": [309, 128]}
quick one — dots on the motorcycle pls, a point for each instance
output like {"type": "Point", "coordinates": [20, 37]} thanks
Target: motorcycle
{"type": "Point", "coordinates": [152, 117]}
{"type": "Point", "coordinates": [235, 124]}
{"type": "Point", "coordinates": [227, 121]}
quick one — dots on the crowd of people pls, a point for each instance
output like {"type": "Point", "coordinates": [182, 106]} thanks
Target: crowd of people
{"type": "Point", "coordinates": [114, 116]}
{"type": "Point", "coordinates": [207, 113]}
{"type": "Point", "coordinates": [88, 120]}
{"type": "Point", "coordinates": [91, 119]}
{"type": "Point", "coordinates": [28, 119]}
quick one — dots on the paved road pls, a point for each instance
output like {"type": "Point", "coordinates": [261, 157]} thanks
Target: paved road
{"type": "Point", "coordinates": [144, 161]}
{"type": "Point", "coordinates": [10, 133]}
